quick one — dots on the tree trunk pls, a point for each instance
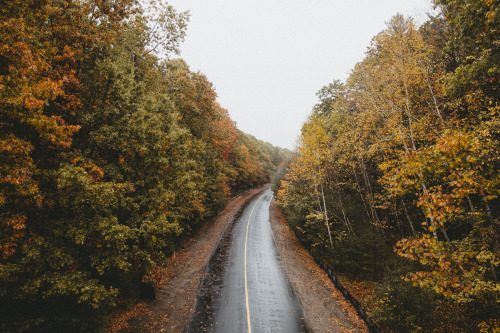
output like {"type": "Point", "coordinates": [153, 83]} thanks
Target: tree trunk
{"type": "Point", "coordinates": [326, 214]}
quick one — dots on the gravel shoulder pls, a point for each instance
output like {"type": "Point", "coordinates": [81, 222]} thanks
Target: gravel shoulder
{"type": "Point", "coordinates": [325, 308]}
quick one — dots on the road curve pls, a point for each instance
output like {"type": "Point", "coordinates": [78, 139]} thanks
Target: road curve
{"type": "Point", "coordinates": [251, 294]}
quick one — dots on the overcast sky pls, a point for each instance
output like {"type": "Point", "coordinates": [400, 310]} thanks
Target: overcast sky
{"type": "Point", "coordinates": [268, 58]}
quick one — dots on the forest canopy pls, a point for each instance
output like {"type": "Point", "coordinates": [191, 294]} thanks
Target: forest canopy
{"type": "Point", "coordinates": [395, 180]}
{"type": "Point", "coordinates": [111, 151]}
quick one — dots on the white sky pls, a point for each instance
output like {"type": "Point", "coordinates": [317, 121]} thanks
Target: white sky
{"type": "Point", "coordinates": [267, 58]}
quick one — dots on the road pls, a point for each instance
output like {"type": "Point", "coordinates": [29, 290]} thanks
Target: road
{"type": "Point", "coordinates": [245, 288]}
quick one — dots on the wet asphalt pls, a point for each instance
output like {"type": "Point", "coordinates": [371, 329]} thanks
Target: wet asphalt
{"type": "Point", "coordinates": [221, 305]}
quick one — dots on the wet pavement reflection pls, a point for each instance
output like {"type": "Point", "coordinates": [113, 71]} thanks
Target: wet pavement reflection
{"type": "Point", "coordinates": [273, 305]}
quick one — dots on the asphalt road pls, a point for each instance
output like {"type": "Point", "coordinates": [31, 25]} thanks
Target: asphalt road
{"type": "Point", "coordinates": [245, 288]}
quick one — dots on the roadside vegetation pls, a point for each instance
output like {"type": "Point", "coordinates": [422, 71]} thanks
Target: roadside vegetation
{"type": "Point", "coordinates": [395, 181]}
{"type": "Point", "coordinates": [111, 151]}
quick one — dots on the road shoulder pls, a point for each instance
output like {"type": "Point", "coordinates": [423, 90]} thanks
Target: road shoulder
{"type": "Point", "coordinates": [325, 308]}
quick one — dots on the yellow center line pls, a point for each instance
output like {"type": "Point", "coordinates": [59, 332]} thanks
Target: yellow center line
{"type": "Point", "coordinates": [246, 285]}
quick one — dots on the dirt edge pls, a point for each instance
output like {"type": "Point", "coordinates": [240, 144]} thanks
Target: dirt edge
{"type": "Point", "coordinates": [231, 221]}
{"type": "Point", "coordinates": [325, 308]}
{"type": "Point", "coordinates": [306, 319]}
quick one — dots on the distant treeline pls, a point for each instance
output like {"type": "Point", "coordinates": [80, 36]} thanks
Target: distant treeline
{"type": "Point", "coordinates": [110, 153]}
{"type": "Point", "coordinates": [395, 181]}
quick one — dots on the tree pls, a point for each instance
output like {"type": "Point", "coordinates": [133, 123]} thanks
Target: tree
{"type": "Point", "coordinates": [412, 137]}
{"type": "Point", "coordinates": [474, 40]}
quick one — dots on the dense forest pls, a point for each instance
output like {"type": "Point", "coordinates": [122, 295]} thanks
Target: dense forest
{"type": "Point", "coordinates": [111, 151]}
{"type": "Point", "coordinates": [395, 180]}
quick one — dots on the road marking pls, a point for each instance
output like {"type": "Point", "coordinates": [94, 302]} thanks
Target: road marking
{"type": "Point", "coordinates": [246, 286]}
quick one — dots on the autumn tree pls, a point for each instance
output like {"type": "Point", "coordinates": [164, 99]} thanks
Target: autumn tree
{"type": "Point", "coordinates": [409, 144]}
{"type": "Point", "coordinates": [110, 152]}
